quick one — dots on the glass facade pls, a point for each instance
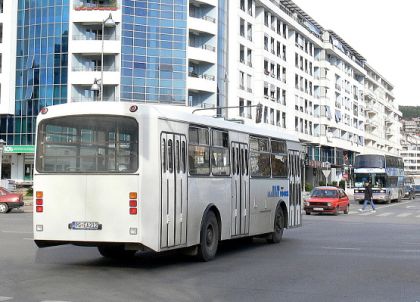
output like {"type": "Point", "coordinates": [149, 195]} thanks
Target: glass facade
{"type": "Point", "coordinates": [154, 55]}
{"type": "Point", "coordinates": [41, 66]}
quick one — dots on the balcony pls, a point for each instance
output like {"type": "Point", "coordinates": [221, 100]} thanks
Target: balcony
{"type": "Point", "coordinates": [102, 5]}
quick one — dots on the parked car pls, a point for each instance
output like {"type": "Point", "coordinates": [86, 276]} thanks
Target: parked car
{"type": "Point", "coordinates": [9, 200]}
{"type": "Point", "coordinates": [327, 200]}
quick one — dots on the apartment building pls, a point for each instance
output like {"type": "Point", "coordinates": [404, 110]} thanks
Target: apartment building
{"type": "Point", "coordinates": [411, 154]}
{"type": "Point", "coordinates": [200, 53]}
{"type": "Point", "coordinates": [309, 80]}
{"type": "Point", "coordinates": [383, 118]}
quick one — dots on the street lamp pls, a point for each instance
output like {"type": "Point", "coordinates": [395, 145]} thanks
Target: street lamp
{"type": "Point", "coordinates": [2, 143]}
{"type": "Point", "coordinates": [107, 23]}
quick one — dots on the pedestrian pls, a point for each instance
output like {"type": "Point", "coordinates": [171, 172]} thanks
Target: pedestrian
{"type": "Point", "coordinates": [368, 198]}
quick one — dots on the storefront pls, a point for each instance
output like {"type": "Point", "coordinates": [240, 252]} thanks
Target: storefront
{"type": "Point", "coordinates": [18, 163]}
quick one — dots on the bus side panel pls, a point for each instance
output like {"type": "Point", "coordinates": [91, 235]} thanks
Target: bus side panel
{"type": "Point", "coordinates": [203, 191]}
{"type": "Point", "coordinates": [265, 194]}
{"type": "Point", "coordinates": [61, 206]}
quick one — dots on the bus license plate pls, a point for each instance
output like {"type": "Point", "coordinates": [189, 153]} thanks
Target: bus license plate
{"type": "Point", "coordinates": [318, 209]}
{"type": "Point", "coordinates": [85, 225]}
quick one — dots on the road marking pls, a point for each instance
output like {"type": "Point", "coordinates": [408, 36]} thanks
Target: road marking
{"type": "Point", "coordinates": [366, 213]}
{"type": "Point", "coordinates": [17, 232]}
{"type": "Point", "coordinates": [410, 251]}
{"type": "Point", "coordinates": [384, 214]}
{"type": "Point", "coordinates": [394, 204]}
{"type": "Point", "coordinates": [410, 207]}
{"type": "Point", "coordinates": [5, 298]}
{"type": "Point", "coordinates": [28, 239]}
{"type": "Point", "coordinates": [341, 248]}
{"type": "Point", "coordinates": [404, 215]}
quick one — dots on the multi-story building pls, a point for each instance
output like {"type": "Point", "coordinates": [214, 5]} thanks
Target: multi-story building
{"type": "Point", "coordinates": [411, 154]}
{"type": "Point", "coordinates": [383, 117]}
{"type": "Point", "coordinates": [309, 80]}
{"type": "Point", "coordinates": [412, 126]}
{"type": "Point", "coordinates": [201, 53]}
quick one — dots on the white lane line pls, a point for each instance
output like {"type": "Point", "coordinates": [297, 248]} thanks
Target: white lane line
{"type": "Point", "coordinates": [16, 232]}
{"type": "Point", "coordinates": [384, 214]}
{"type": "Point", "coordinates": [418, 216]}
{"type": "Point", "coordinates": [28, 239]}
{"type": "Point", "coordinates": [394, 204]}
{"type": "Point", "coordinates": [403, 215]}
{"type": "Point", "coordinates": [341, 248]}
{"type": "Point", "coordinates": [54, 301]}
{"type": "Point", "coordinates": [366, 213]}
{"type": "Point", "coordinates": [5, 298]}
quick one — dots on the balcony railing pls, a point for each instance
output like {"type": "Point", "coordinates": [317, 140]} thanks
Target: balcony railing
{"type": "Point", "coordinates": [207, 18]}
{"type": "Point", "coordinates": [104, 5]}
{"type": "Point", "coordinates": [204, 46]}
{"type": "Point", "coordinates": [95, 37]}
{"type": "Point", "coordinates": [202, 76]}
{"type": "Point", "coordinates": [93, 99]}
{"type": "Point", "coordinates": [94, 68]}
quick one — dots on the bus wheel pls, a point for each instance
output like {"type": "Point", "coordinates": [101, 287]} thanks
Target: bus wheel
{"type": "Point", "coordinates": [209, 237]}
{"type": "Point", "coordinates": [275, 237]}
{"type": "Point", "coordinates": [115, 252]}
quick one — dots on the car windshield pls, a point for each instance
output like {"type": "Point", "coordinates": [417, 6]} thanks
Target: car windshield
{"type": "Point", "coordinates": [324, 193]}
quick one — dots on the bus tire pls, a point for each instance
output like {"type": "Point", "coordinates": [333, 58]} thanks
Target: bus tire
{"type": "Point", "coordinates": [209, 237]}
{"type": "Point", "coordinates": [277, 234]}
{"type": "Point", "coordinates": [115, 252]}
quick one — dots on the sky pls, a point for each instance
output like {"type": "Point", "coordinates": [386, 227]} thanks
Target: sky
{"type": "Point", "coordinates": [384, 32]}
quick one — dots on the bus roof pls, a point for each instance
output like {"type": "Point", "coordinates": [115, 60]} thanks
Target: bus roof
{"type": "Point", "coordinates": [170, 112]}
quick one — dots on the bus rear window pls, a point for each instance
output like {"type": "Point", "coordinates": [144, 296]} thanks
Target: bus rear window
{"type": "Point", "coordinates": [87, 144]}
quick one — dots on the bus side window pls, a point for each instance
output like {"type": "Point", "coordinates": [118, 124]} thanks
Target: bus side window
{"type": "Point", "coordinates": [170, 156]}
{"type": "Point", "coordinates": [246, 161]}
{"type": "Point", "coordinates": [237, 161]}
{"type": "Point", "coordinates": [177, 156]}
{"type": "Point", "coordinates": [183, 159]}
{"type": "Point", "coordinates": [164, 155]}
{"type": "Point", "coordinates": [243, 161]}
{"type": "Point", "coordinates": [233, 161]}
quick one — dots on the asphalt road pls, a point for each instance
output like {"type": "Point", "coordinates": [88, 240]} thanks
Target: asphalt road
{"type": "Point", "coordinates": [356, 257]}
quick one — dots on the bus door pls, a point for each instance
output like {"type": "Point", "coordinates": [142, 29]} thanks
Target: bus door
{"type": "Point", "coordinates": [240, 189]}
{"type": "Point", "coordinates": [295, 189]}
{"type": "Point", "coordinates": [173, 190]}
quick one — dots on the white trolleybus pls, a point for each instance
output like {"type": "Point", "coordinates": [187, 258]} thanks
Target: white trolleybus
{"type": "Point", "coordinates": [384, 172]}
{"type": "Point", "coordinates": [124, 178]}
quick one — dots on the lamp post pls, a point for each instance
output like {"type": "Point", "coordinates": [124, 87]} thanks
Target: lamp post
{"type": "Point", "coordinates": [107, 23]}
{"type": "Point", "coordinates": [2, 143]}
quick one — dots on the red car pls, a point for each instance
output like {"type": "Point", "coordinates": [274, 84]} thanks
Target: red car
{"type": "Point", "coordinates": [327, 200]}
{"type": "Point", "coordinates": [9, 200]}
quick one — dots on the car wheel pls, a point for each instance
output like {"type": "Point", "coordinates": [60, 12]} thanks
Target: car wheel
{"type": "Point", "coordinates": [308, 213]}
{"type": "Point", "coordinates": [4, 208]}
{"type": "Point", "coordinates": [337, 210]}
{"type": "Point", "coordinates": [116, 252]}
{"type": "Point", "coordinates": [346, 211]}
{"type": "Point", "coordinates": [277, 234]}
{"type": "Point", "coordinates": [209, 238]}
